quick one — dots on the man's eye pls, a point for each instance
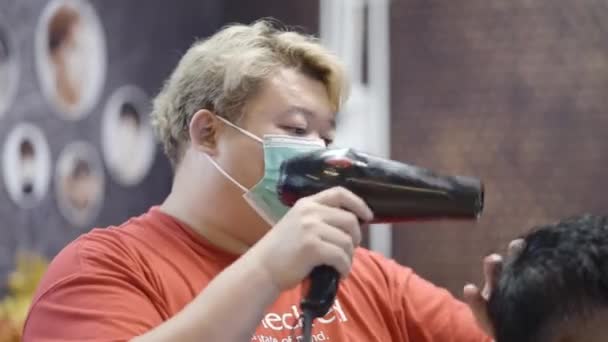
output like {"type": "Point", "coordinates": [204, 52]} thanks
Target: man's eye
{"type": "Point", "coordinates": [296, 130]}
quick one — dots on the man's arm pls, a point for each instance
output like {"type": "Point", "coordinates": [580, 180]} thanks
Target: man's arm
{"type": "Point", "coordinates": [109, 302]}
{"type": "Point", "coordinates": [111, 306]}
{"type": "Point", "coordinates": [241, 293]}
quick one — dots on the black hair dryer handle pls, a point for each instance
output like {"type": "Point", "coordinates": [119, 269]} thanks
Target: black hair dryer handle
{"type": "Point", "coordinates": [323, 289]}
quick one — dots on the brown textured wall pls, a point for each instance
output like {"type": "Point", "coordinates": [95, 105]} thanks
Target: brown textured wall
{"type": "Point", "coordinates": [515, 92]}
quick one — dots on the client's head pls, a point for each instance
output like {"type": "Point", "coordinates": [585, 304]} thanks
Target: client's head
{"type": "Point", "coordinates": [556, 289]}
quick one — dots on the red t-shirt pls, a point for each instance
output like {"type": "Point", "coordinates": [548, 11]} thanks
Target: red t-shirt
{"type": "Point", "coordinates": [116, 283]}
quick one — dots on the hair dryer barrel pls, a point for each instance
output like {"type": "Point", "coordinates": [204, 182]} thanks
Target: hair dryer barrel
{"type": "Point", "coordinates": [394, 191]}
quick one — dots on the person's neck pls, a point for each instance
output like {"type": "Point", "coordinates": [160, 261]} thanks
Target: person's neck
{"type": "Point", "coordinates": [200, 211]}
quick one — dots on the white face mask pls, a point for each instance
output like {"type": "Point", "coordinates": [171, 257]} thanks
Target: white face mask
{"type": "Point", "coordinates": [263, 197]}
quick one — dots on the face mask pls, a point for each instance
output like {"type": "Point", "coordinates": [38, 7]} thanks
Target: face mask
{"type": "Point", "coordinates": [263, 197]}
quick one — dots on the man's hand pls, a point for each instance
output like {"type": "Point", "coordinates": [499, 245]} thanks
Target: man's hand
{"type": "Point", "coordinates": [323, 229]}
{"type": "Point", "coordinates": [478, 300]}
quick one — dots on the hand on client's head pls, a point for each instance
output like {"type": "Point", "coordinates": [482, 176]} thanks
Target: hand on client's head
{"type": "Point", "coordinates": [478, 299]}
{"type": "Point", "coordinates": [556, 288]}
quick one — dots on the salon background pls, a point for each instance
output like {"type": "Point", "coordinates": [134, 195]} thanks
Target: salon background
{"type": "Point", "coordinates": [511, 91]}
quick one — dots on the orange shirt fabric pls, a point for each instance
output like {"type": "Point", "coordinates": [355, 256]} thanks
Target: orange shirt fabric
{"type": "Point", "coordinates": [116, 283]}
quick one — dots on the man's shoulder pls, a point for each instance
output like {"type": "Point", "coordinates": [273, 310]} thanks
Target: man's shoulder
{"type": "Point", "coordinates": [99, 250]}
{"type": "Point", "coordinates": [368, 260]}
{"type": "Point", "coordinates": [375, 271]}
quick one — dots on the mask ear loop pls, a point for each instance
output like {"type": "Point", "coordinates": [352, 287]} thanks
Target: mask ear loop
{"type": "Point", "coordinates": [219, 168]}
{"type": "Point", "coordinates": [229, 177]}
{"type": "Point", "coordinates": [247, 133]}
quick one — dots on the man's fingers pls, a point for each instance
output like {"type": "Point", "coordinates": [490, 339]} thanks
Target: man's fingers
{"type": "Point", "coordinates": [492, 266]}
{"type": "Point", "coordinates": [338, 238]}
{"type": "Point", "coordinates": [335, 257]}
{"type": "Point", "coordinates": [341, 198]}
{"type": "Point", "coordinates": [515, 248]}
{"type": "Point", "coordinates": [478, 305]}
{"type": "Point", "coordinates": [344, 220]}
{"type": "Point", "coordinates": [473, 297]}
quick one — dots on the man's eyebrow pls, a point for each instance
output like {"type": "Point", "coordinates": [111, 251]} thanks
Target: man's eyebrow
{"type": "Point", "coordinates": [298, 110]}
{"type": "Point", "coordinates": [306, 112]}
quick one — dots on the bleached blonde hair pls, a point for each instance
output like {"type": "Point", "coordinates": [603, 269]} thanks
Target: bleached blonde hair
{"type": "Point", "coordinates": [221, 72]}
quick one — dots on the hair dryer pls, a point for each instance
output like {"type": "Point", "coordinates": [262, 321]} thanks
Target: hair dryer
{"type": "Point", "coordinates": [394, 191]}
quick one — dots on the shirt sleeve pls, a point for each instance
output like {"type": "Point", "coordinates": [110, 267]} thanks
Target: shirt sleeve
{"type": "Point", "coordinates": [432, 314]}
{"type": "Point", "coordinates": [91, 304]}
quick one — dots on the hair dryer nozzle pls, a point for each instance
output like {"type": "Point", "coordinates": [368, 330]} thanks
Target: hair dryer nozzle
{"type": "Point", "coordinates": [394, 191]}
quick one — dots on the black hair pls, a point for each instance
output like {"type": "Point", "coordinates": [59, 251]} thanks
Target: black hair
{"type": "Point", "coordinates": [81, 169]}
{"type": "Point", "coordinates": [60, 26]}
{"type": "Point", "coordinates": [562, 272]}
{"type": "Point", "coordinates": [26, 148]}
{"type": "Point", "coordinates": [128, 110]}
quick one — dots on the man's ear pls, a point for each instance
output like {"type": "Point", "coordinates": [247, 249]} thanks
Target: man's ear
{"type": "Point", "coordinates": [204, 128]}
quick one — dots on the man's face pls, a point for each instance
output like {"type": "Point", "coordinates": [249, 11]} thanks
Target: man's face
{"type": "Point", "coordinates": [81, 188]}
{"type": "Point", "coordinates": [290, 103]}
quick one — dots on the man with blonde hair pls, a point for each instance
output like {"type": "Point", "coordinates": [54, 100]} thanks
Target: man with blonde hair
{"type": "Point", "coordinates": [221, 259]}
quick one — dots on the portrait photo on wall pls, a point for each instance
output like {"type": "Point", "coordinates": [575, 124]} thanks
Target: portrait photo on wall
{"type": "Point", "coordinates": [26, 165]}
{"type": "Point", "coordinates": [127, 138]}
{"type": "Point", "coordinates": [71, 57]}
{"type": "Point", "coordinates": [79, 183]}
{"type": "Point", "coordinates": [9, 67]}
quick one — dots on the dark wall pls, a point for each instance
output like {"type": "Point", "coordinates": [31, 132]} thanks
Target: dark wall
{"type": "Point", "coordinates": [302, 14]}
{"type": "Point", "coordinates": [510, 91]}
{"type": "Point", "coordinates": [144, 41]}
